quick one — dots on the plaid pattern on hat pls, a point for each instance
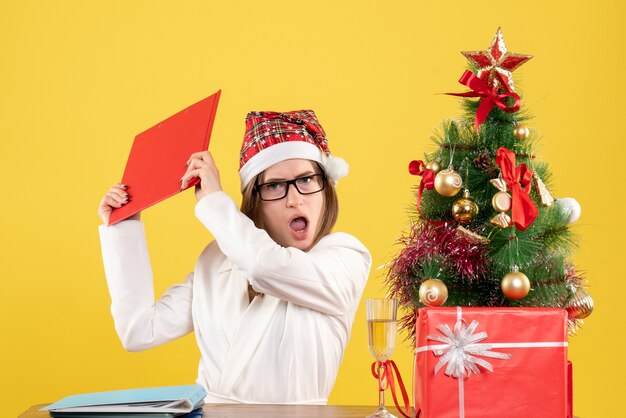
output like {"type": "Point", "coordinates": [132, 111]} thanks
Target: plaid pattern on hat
{"type": "Point", "coordinates": [272, 137]}
{"type": "Point", "coordinates": [264, 129]}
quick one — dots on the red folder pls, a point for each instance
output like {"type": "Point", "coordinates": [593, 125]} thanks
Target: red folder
{"type": "Point", "coordinates": [158, 156]}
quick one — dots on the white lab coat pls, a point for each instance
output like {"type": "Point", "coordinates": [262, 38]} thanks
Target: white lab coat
{"type": "Point", "coordinates": [284, 347]}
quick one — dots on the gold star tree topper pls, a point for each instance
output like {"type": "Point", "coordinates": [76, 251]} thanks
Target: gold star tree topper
{"type": "Point", "coordinates": [495, 64]}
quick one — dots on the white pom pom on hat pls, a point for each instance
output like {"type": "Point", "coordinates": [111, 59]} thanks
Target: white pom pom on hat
{"type": "Point", "coordinates": [335, 168]}
{"type": "Point", "coordinates": [272, 137]}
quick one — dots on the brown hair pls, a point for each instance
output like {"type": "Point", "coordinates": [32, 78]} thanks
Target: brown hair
{"type": "Point", "coordinates": [251, 205]}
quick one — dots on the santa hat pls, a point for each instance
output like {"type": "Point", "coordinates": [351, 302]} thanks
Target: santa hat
{"type": "Point", "coordinates": [272, 137]}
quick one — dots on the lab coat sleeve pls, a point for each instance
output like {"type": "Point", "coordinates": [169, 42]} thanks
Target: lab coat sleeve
{"type": "Point", "coordinates": [329, 278]}
{"type": "Point", "coordinates": [140, 322]}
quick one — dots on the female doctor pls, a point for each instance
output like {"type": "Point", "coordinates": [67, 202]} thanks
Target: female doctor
{"type": "Point", "coordinates": [272, 300]}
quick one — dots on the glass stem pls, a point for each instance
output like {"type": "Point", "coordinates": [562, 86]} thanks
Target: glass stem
{"type": "Point", "coordinates": [381, 387]}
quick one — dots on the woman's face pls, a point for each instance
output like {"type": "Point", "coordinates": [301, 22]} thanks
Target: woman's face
{"type": "Point", "coordinates": [294, 220]}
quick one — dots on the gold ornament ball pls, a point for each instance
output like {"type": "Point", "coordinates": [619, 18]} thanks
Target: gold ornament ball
{"type": "Point", "coordinates": [465, 209]}
{"type": "Point", "coordinates": [448, 182]}
{"type": "Point", "coordinates": [501, 202]}
{"type": "Point", "coordinates": [580, 306]}
{"type": "Point", "coordinates": [434, 166]}
{"type": "Point", "coordinates": [433, 292]}
{"type": "Point", "coordinates": [521, 132]}
{"type": "Point", "coordinates": [515, 285]}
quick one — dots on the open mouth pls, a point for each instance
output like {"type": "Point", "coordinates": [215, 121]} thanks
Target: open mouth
{"type": "Point", "coordinates": [299, 224]}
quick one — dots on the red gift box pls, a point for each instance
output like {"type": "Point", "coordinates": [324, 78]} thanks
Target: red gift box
{"type": "Point", "coordinates": [525, 348]}
{"type": "Point", "coordinates": [570, 391]}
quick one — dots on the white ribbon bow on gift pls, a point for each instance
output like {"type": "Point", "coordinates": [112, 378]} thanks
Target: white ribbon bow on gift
{"type": "Point", "coordinates": [460, 348]}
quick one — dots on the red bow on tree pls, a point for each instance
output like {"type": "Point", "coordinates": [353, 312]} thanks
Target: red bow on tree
{"type": "Point", "coordinates": [489, 97]}
{"type": "Point", "coordinates": [418, 168]}
{"type": "Point", "coordinates": [518, 180]}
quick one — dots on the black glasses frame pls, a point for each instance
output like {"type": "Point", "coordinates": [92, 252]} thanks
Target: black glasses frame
{"type": "Point", "coordinates": [257, 187]}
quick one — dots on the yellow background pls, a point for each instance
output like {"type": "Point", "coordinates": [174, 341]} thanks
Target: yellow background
{"type": "Point", "coordinates": [80, 78]}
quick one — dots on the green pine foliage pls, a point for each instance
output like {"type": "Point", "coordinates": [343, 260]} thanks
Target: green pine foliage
{"type": "Point", "coordinates": [541, 251]}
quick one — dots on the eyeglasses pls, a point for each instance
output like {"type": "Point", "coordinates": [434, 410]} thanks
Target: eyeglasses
{"type": "Point", "coordinates": [277, 190]}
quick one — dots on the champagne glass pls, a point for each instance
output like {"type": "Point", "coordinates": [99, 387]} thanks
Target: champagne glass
{"type": "Point", "coordinates": [381, 327]}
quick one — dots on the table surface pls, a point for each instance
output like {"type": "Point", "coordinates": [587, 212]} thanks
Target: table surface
{"type": "Point", "coordinates": [262, 411]}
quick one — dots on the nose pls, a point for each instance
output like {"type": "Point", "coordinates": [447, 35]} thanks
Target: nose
{"type": "Point", "coordinates": [294, 198]}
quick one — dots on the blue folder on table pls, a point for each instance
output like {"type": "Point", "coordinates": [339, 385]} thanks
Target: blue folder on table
{"type": "Point", "coordinates": [193, 414]}
{"type": "Point", "coordinates": [166, 401]}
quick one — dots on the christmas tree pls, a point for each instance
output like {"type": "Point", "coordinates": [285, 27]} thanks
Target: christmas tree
{"type": "Point", "coordinates": [485, 230]}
